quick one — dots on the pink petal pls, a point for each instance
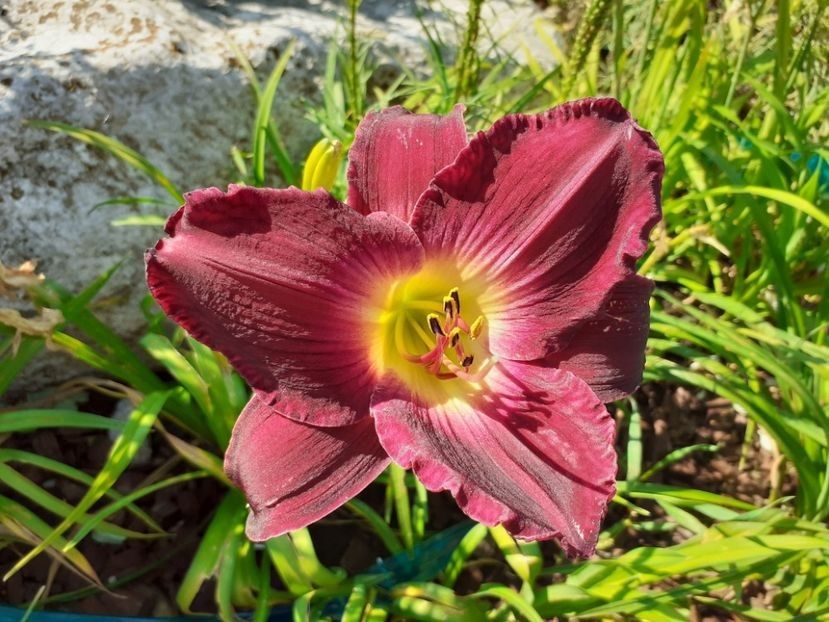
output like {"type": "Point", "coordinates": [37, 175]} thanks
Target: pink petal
{"type": "Point", "coordinates": [396, 153]}
{"type": "Point", "coordinates": [608, 352]}
{"type": "Point", "coordinates": [279, 281]}
{"type": "Point", "coordinates": [293, 473]}
{"type": "Point", "coordinates": [532, 450]}
{"type": "Point", "coordinates": [551, 211]}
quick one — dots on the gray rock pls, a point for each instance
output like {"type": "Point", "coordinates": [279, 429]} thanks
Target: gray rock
{"type": "Point", "coordinates": [161, 77]}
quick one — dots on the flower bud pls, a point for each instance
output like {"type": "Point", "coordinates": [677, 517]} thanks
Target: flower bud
{"type": "Point", "coordinates": [322, 165]}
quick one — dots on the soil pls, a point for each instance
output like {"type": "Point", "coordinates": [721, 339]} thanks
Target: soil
{"type": "Point", "coordinates": [672, 417]}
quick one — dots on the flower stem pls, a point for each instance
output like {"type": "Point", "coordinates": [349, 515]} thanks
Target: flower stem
{"type": "Point", "coordinates": [353, 78]}
{"type": "Point", "coordinates": [466, 63]}
{"type": "Point", "coordinates": [589, 26]}
{"type": "Point", "coordinates": [618, 46]}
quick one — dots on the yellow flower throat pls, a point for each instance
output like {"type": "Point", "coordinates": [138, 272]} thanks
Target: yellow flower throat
{"type": "Point", "coordinates": [421, 331]}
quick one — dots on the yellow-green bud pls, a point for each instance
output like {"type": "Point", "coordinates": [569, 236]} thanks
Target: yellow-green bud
{"type": "Point", "coordinates": [322, 165]}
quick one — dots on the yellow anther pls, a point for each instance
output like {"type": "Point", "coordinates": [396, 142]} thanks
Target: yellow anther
{"type": "Point", "coordinates": [477, 327]}
{"type": "Point", "coordinates": [454, 336]}
{"type": "Point", "coordinates": [449, 307]}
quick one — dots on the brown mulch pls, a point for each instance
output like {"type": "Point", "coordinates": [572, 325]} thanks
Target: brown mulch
{"type": "Point", "coordinates": [675, 417]}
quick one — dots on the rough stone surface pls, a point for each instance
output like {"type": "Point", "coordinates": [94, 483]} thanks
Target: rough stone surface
{"type": "Point", "coordinates": [161, 77]}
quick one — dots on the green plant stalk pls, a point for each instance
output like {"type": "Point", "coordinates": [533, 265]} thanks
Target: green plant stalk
{"type": "Point", "coordinates": [466, 65]}
{"type": "Point", "coordinates": [634, 445]}
{"type": "Point", "coordinates": [20, 524]}
{"type": "Point", "coordinates": [806, 43]}
{"type": "Point", "coordinates": [643, 45]}
{"type": "Point", "coordinates": [115, 148]}
{"type": "Point", "coordinates": [589, 27]}
{"type": "Point", "coordinates": [121, 503]}
{"type": "Point", "coordinates": [462, 552]}
{"type": "Point", "coordinates": [264, 128]}
{"type": "Point", "coordinates": [618, 46]}
{"type": "Point", "coordinates": [738, 67]}
{"type": "Point", "coordinates": [37, 495]}
{"type": "Point", "coordinates": [783, 41]}
{"type": "Point", "coordinates": [69, 472]}
{"type": "Point", "coordinates": [353, 80]}
{"type": "Point", "coordinates": [420, 511]}
{"type": "Point", "coordinates": [205, 562]}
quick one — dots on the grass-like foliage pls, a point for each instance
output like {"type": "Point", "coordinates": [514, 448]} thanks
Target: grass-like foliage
{"type": "Point", "coordinates": [736, 96]}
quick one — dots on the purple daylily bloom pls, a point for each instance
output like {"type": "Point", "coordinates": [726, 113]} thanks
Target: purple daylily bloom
{"type": "Point", "coordinates": [466, 315]}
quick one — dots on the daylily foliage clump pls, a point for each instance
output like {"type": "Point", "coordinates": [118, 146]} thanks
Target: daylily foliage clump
{"type": "Point", "coordinates": [466, 314]}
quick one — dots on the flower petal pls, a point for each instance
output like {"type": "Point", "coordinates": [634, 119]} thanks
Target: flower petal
{"type": "Point", "coordinates": [608, 352]}
{"type": "Point", "coordinates": [551, 211]}
{"type": "Point", "coordinates": [396, 153]}
{"type": "Point", "coordinates": [533, 450]}
{"type": "Point", "coordinates": [278, 281]}
{"type": "Point", "coordinates": [293, 473]}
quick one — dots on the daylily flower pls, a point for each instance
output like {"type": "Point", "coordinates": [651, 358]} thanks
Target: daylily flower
{"type": "Point", "coordinates": [466, 315]}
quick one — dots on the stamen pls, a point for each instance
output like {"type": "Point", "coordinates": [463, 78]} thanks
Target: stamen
{"type": "Point", "coordinates": [464, 374]}
{"type": "Point", "coordinates": [448, 307]}
{"type": "Point", "coordinates": [447, 331]}
{"type": "Point", "coordinates": [441, 341]}
{"type": "Point", "coordinates": [482, 371]}
{"type": "Point", "coordinates": [434, 324]}
{"type": "Point", "coordinates": [477, 327]}
{"type": "Point", "coordinates": [455, 342]}
{"type": "Point", "coordinates": [456, 296]}
{"type": "Point", "coordinates": [454, 337]}
{"type": "Point", "coordinates": [427, 359]}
